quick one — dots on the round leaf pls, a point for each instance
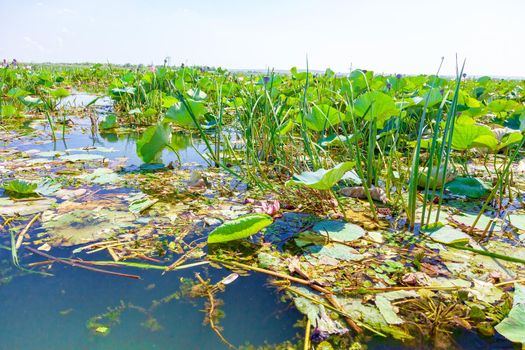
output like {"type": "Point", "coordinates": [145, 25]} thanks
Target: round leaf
{"type": "Point", "coordinates": [467, 186]}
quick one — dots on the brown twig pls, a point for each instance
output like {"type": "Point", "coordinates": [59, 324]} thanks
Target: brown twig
{"type": "Point", "coordinates": [387, 289]}
{"type": "Point", "coordinates": [50, 257]}
{"type": "Point", "coordinates": [211, 311]}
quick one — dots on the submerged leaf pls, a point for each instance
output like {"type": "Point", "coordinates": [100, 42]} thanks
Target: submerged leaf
{"type": "Point", "coordinates": [242, 227]}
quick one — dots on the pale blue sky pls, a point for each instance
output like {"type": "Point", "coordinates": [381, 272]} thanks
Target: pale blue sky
{"type": "Point", "coordinates": [404, 36]}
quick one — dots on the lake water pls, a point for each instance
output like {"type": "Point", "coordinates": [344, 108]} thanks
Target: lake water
{"type": "Point", "coordinates": [51, 313]}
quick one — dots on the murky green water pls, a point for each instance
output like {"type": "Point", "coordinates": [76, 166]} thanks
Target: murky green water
{"type": "Point", "coordinates": [52, 312]}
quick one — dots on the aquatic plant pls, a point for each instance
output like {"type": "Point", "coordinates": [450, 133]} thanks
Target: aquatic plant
{"type": "Point", "coordinates": [242, 227]}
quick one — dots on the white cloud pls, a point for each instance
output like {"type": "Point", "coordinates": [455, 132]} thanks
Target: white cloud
{"type": "Point", "coordinates": [65, 11]}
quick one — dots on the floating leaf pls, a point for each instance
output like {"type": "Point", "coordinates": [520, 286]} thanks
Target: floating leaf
{"type": "Point", "coordinates": [138, 206]}
{"type": "Point", "coordinates": [449, 235]}
{"type": "Point", "coordinates": [482, 223]}
{"type": "Point", "coordinates": [10, 207]}
{"type": "Point", "coordinates": [101, 176]}
{"type": "Point", "coordinates": [47, 186]}
{"type": "Point", "coordinates": [513, 326]}
{"type": "Point", "coordinates": [336, 251]}
{"type": "Point", "coordinates": [78, 226]}
{"type": "Point", "coordinates": [486, 291]}
{"type": "Point", "coordinates": [316, 312]}
{"type": "Point", "coordinates": [518, 221]}
{"type": "Point", "coordinates": [81, 157]}
{"type": "Point", "coordinates": [321, 179]}
{"type": "Point", "coordinates": [467, 186]}
{"type": "Point", "coordinates": [387, 310]}
{"type": "Point", "coordinates": [339, 230]}
{"type": "Point", "coordinates": [242, 227]}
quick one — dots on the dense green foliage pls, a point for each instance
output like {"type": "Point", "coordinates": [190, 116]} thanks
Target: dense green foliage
{"type": "Point", "coordinates": [275, 125]}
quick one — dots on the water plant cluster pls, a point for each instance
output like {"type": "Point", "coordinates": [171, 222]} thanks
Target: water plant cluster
{"type": "Point", "coordinates": [408, 189]}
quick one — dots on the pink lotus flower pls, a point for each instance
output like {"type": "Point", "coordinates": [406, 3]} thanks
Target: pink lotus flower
{"type": "Point", "coordinates": [152, 69]}
{"type": "Point", "coordinates": [270, 208]}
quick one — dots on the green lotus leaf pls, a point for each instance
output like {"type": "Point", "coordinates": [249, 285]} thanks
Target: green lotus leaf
{"type": "Point", "coordinates": [375, 105]}
{"type": "Point", "coordinates": [109, 122]}
{"type": "Point", "coordinates": [20, 186]}
{"type": "Point", "coordinates": [17, 92]}
{"type": "Point", "coordinates": [510, 139]}
{"type": "Point", "coordinates": [322, 117]}
{"type": "Point", "coordinates": [59, 93]}
{"type": "Point", "coordinates": [242, 227]}
{"type": "Point", "coordinates": [321, 179]}
{"type": "Point", "coordinates": [467, 186]}
{"type": "Point", "coordinates": [469, 135]}
{"type": "Point", "coordinates": [180, 115]}
{"type": "Point", "coordinates": [153, 142]}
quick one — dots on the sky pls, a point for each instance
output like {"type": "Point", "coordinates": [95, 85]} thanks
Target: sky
{"type": "Point", "coordinates": [387, 36]}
